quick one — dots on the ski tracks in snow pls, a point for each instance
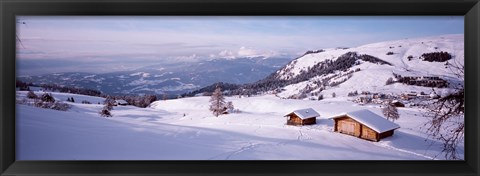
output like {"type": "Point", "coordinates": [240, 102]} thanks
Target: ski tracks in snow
{"type": "Point", "coordinates": [385, 145]}
{"type": "Point", "coordinates": [303, 136]}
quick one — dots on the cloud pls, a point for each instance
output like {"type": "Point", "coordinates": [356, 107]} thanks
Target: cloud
{"type": "Point", "coordinates": [243, 52]}
{"type": "Point", "coordinates": [226, 54]}
{"type": "Point", "coordinates": [187, 58]}
{"type": "Point", "coordinates": [247, 52]}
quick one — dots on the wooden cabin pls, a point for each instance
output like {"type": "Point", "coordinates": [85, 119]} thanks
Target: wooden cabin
{"type": "Point", "coordinates": [120, 103]}
{"type": "Point", "coordinates": [364, 124]}
{"type": "Point", "coordinates": [302, 117]}
{"type": "Point", "coordinates": [397, 103]}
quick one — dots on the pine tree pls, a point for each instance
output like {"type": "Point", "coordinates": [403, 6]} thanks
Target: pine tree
{"type": "Point", "coordinates": [46, 97]}
{"type": "Point", "coordinates": [31, 95]}
{"type": "Point", "coordinates": [217, 102]}
{"type": "Point", "coordinates": [389, 81]}
{"type": "Point", "coordinates": [320, 97]}
{"type": "Point", "coordinates": [73, 100]}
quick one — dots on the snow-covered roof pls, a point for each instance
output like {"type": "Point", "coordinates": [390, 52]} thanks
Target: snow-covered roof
{"type": "Point", "coordinates": [370, 119]}
{"type": "Point", "coordinates": [305, 113]}
{"type": "Point", "coordinates": [121, 101]}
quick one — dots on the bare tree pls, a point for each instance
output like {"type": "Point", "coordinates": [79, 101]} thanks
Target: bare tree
{"type": "Point", "coordinates": [109, 102]}
{"type": "Point", "coordinates": [390, 111]}
{"type": "Point", "coordinates": [16, 35]}
{"type": "Point", "coordinates": [217, 102]}
{"type": "Point", "coordinates": [105, 112]}
{"type": "Point", "coordinates": [446, 116]}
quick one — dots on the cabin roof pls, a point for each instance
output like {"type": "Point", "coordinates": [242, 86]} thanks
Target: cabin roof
{"type": "Point", "coordinates": [121, 101]}
{"type": "Point", "coordinates": [305, 113]}
{"type": "Point", "coordinates": [370, 119]}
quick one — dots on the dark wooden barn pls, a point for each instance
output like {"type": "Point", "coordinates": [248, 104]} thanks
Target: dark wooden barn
{"type": "Point", "coordinates": [364, 124]}
{"type": "Point", "coordinates": [302, 117]}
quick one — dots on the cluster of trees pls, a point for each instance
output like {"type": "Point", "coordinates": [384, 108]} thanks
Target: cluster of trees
{"type": "Point", "coordinates": [313, 51]}
{"type": "Point", "coordinates": [351, 94]}
{"type": "Point", "coordinates": [419, 81]}
{"type": "Point", "coordinates": [57, 88]}
{"type": "Point", "coordinates": [74, 90]}
{"type": "Point", "coordinates": [436, 56]}
{"type": "Point", "coordinates": [46, 101]}
{"type": "Point", "coordinates": [86, 102]}
{"type": "Point", "coordinates": [211, 88]}
{"type": "Point", "coordinates": [218, 106]}
{"type": "Point", "coordinates": [23, 86]}
{"type": "Point", "coordinates": [134, 100]}
{"type": "Point", "coordinates": [70, 99]}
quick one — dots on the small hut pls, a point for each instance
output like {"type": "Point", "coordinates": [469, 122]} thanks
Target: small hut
{"type": "Point", "coordinates": [121, 103]}
{"type": "Point", "coordinates": [364, 124]}
{"type": "Point", "coordinates": [397, 103]}
{"type": "Point", "coordinates": [302, 117]}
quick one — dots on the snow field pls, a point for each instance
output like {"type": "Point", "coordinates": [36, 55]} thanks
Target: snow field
{"type": "Point", "coordinates": [184, 129]}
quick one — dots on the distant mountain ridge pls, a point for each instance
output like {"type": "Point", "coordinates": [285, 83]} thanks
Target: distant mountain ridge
{"type": "Point", "coordinates": [167, 78]}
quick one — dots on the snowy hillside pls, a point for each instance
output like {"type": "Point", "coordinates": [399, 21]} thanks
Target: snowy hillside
{"type": "Point", "coordinates": [184, 129]}
{"type": "Point", "coordinates": [379, 63]}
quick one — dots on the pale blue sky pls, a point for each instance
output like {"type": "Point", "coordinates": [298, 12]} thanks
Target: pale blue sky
{"type": "Point", "coordinates": [89, 43]}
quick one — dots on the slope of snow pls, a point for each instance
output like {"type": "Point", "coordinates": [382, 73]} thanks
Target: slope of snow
{"type": "Point", "coordinates": [401, 48]}
{"type": "Point", "coordinates": [184, 129]}
{"type": "Point", "coordinates": [372, 77]}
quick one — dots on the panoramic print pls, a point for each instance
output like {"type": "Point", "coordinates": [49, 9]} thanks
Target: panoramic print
{"type": "Point", "coordinates": [240, 88]}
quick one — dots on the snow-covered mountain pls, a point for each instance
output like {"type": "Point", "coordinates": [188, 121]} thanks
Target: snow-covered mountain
{"type": "Point", "coordinates": [418, 65]}
{"type": "Point", "coordinates": [167, 78]}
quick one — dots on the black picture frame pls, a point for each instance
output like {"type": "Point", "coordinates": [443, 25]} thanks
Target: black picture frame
{"type": "Point", "coordinates": [470, 9]}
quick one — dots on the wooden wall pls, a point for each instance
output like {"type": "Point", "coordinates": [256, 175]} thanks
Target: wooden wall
{"type": "Point", "coordinates": [349, 126]}
{"type": "Point", "coordinates": [386, 134]}
{"type": "Point", "coordinates": [295, 120]}
{"type": "Point", "coordinates": [310, 121]}
{"type": "Point", "coordinates": [344, 125]}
